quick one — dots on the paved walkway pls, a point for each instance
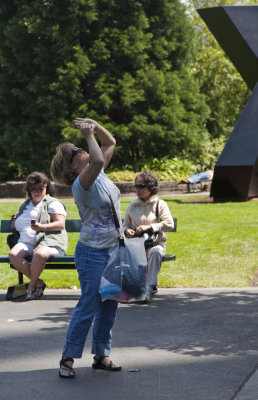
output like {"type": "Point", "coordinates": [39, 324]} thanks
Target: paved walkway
{"type": "Point", "coordinates": [188, 344]}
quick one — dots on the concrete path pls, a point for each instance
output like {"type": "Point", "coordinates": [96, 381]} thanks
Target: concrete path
{"type": "Point", "coordinates": [188, 344]}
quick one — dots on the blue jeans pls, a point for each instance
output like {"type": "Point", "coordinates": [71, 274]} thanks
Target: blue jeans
{"type": "Point", "coordinates": [90, 263]}
{"type": "Point", "coordinates": [199, 177]}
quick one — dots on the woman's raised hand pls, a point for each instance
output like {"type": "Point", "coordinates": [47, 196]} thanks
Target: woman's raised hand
{"type": "Point", "coordinates": [82, 123]}
{"type": "Point", "coordinates": [85, 125]}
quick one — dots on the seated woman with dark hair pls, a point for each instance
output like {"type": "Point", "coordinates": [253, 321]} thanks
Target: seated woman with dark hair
{"type": "Point", "coordinates": [148, 213]}
{"type": "Point", "coordinates": [40, 222]}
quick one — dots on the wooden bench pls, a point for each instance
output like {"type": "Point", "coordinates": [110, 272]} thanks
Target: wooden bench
{"type": "Point", "coordinates": [56, 262]}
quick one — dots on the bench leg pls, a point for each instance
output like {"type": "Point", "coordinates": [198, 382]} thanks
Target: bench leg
{"type": "Point", "coordinates": [20, 277]}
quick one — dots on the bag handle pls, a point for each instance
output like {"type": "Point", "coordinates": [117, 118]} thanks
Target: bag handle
{"type": "Point", "coordinates": [116, 220]}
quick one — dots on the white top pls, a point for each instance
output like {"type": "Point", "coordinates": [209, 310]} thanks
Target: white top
{"type": "Point", "coordinates": [23, 222]}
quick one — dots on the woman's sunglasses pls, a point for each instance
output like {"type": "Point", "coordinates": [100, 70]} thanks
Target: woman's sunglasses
{"type": "Point", "coordinates": [74, 151]}
{"type": "Point", "coordinates": [140, 186]}
{"type": "Point", "coordinates": [37, 189]}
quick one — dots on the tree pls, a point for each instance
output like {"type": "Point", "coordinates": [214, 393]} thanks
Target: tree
{"type": "Point", "coordinates": [37, 47]}
{"type": "Point", "coordinates": [124, 63]}
{"type": "Point", "coordinates": [225, 91]}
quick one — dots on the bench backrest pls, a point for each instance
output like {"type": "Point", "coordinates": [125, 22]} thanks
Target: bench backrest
{"type": "Point", "coordinates": [71, 225]}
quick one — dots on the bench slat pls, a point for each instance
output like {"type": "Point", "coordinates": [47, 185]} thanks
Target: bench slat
{"type": "Point", "coordinates": [71, 225]}
{"type": "Point", "coordinates": [5, 226]}
{"type": "Point", "coordinates": [60, 266]}
{"type": "Point", "coordinates": [4, 259]}
{"type": "Point", "coordinates": [168, 257]}
{"type": "Point", "coordinates": [59, 260]}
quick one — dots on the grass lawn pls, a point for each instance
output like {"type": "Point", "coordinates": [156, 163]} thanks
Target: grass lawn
{"type": "Point", "coordinates": [215, 245]}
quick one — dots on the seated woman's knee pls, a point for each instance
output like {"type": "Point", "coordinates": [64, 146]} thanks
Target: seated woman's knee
{"type": "Point", "coordinates": [156, 250]}
{"type": "Point", "coordinates": [17, 253]}
{"type": "Point", "coordinates": [42, 253]}
{"type": "Point", "coordinates": [12, 256]}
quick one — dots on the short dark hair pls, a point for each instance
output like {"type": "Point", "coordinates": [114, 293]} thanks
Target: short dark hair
{"type": "Point", "coordinates": [38, 178]}
{"type": "Point", "coordinates": [150, 179]}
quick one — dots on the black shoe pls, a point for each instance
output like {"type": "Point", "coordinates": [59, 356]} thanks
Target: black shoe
{"type": "Point", "coordinates": [98, 364]}
{"type": "Point", "coordinates": [154, 289]}
{"type": "Point", "coordinates": [64, 366]}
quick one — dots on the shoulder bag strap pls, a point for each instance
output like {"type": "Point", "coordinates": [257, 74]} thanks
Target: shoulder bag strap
{"type": "Point", "coordinates": [157, 210]}
{"type": "Point", "coordinates": [116, 220]}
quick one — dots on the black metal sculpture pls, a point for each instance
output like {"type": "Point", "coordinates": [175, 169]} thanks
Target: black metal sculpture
{"type": "Point", "coordinates": [236, 171]}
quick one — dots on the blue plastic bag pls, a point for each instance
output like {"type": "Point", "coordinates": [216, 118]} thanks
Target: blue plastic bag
{"type": "Point", "coordinates": [124, 278]}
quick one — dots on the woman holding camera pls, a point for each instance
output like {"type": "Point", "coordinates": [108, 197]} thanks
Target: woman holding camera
{"type": "Point", "coordinates": [148, 214]}
{"type": "Point", "coordinates": [40, 223]}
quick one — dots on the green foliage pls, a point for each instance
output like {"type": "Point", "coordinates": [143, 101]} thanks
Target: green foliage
{"type": "Point", "coordinates": [170, 169]}
{"type": "Point", "coordinates": [8, 170]}
{"type": "Point", "coordinates": [210, 153]}
{"type": "Point", "coordinates": [175, 168]}
{"type": "Point", "coordinates": [166, 169]}
{"type": "Point", "coordinates": [124, 63]}
{"type": "Point", "coordinates": [41, 71]}
{"type": "Point", "coordinates": [122, 175]}
{"type": "Point", "coordinates": [225, 91]}
{"type": "Point", "coordinates": [151, 73]}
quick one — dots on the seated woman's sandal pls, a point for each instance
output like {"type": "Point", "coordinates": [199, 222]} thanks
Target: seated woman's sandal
{"type": "Point", "coordinates": [40, 289]}
{"type": "Point", "coordinates": [70, 373]}
{"type": "Point", "coordinates": [98, 364]}
{"type": "Point", "coordinates": [31, 295]}
{"type": "Point", "coordinates": [36, 293]}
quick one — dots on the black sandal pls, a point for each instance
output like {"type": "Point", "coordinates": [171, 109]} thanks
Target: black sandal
{"type": "Point", "coordinates": [154, 289]}
{"type": "Point", "coordinates": [67, 368]}
{"type": "Point", "coordinates": [31, 295]}
{"type": "Point", "coordinates": [40, 290]}
{"type": "Point", "coordinates": [98, 364]}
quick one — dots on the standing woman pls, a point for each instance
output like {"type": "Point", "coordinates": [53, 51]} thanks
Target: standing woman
{"type": "Point", "coordinates": [91, 189]}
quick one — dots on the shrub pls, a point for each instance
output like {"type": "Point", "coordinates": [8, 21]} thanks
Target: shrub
{"type": "Point", "coordinates": [8, 170]}
{"type": "Point", "coordinates": [211, 153]}
{"type": "Point", "coordinates": [176, 168]}
{"type": "Point", "coordinates": [122, 176]}
{"type": "Point", "coordinates": [166, 169]}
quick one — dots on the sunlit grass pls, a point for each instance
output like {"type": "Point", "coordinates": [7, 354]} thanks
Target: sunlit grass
{"type": "Point", "coordinates": [215, 245]}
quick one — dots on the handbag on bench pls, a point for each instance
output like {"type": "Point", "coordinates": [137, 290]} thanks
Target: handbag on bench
{"type": "Point", "coordinates": [13, 238]}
